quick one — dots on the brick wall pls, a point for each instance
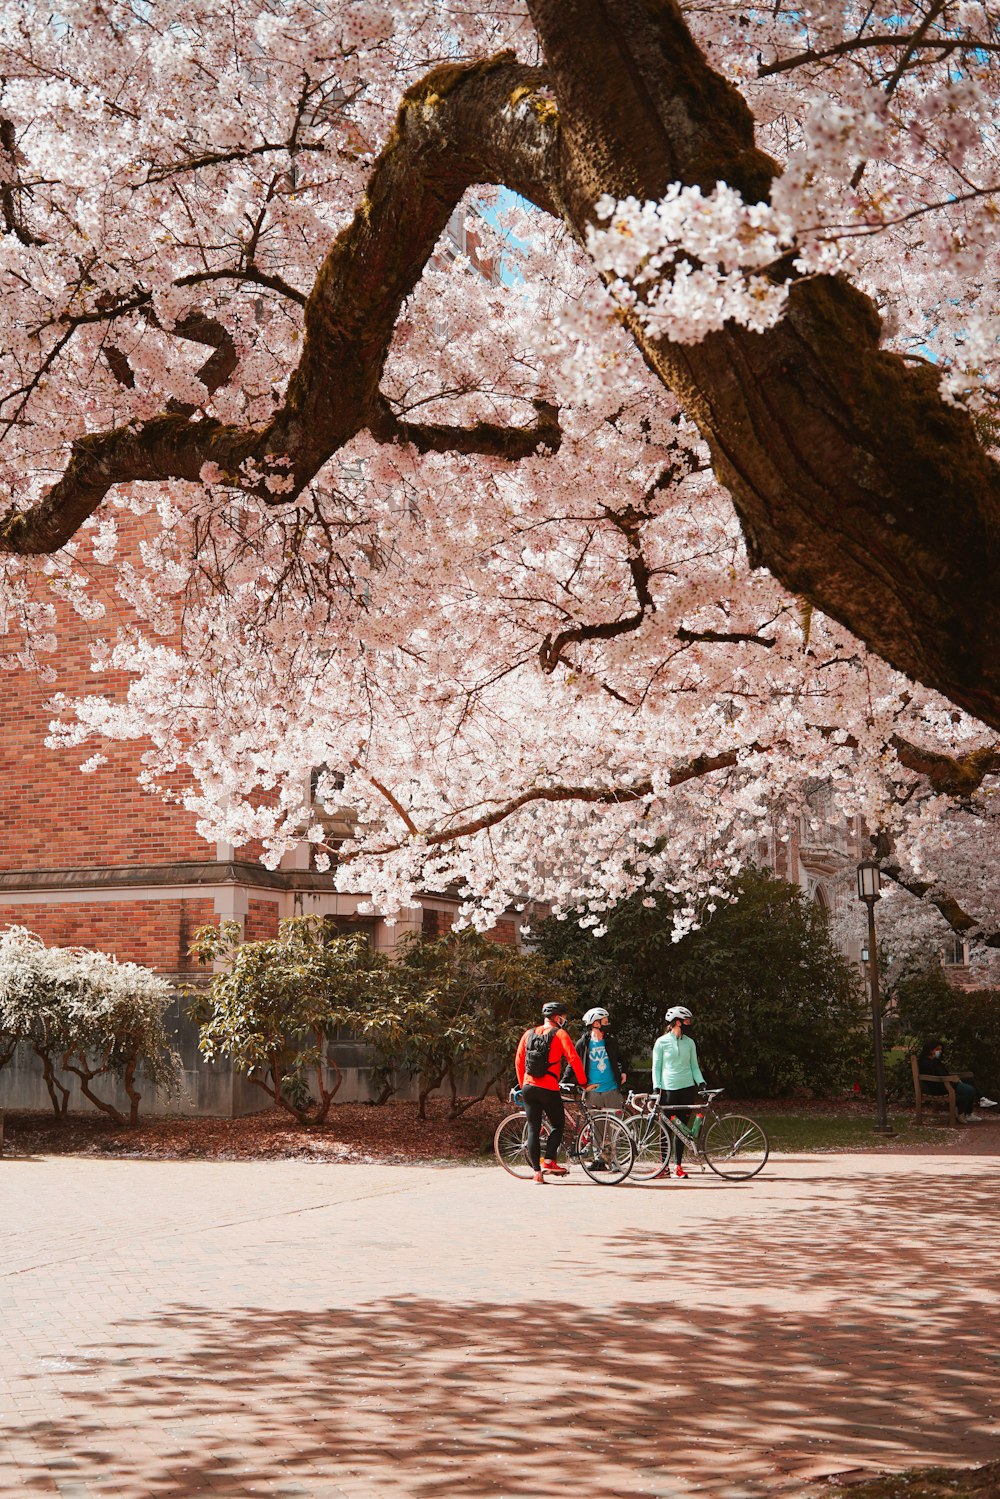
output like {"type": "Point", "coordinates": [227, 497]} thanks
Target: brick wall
{"type": "Point", "coordinates": [261, 922]}
{"type": "Point", "coordinates": [435, 924]}
{"type": "Point", "coordinates": [52, 816]}
{"type": "Point", "coordinates": [154, 932]}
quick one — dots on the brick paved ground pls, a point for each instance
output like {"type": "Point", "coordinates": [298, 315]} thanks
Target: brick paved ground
{"type": "Point", "coordinates": [173, 1329]}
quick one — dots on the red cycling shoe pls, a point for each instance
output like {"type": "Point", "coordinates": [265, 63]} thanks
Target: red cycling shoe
{"type": "Point", "coordinates": [554, 1168]}
{"type": "Point", "coordinates": [681, 1172]}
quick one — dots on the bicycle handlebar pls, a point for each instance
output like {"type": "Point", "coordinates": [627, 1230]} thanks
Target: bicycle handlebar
{"type": "Point", "coordinates": [643, 1100]}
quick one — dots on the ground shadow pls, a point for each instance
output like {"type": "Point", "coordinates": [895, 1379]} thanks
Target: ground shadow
{"type": "Point", "coordinates": [707, 1383]}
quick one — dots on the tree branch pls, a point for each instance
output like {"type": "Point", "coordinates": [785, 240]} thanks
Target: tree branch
{"type": "Point", "coordinates": [629, 523]}
{"type": "Point", "coordinates": [887, 40]}
{"type": "Point", "coordinates": [958, 776]}
{"type": "Point", "coordinates": [961, 923]}
{"type": "Point", "coordinates": [250, 274]}
{"type": "Point", "coordinates": [481, 437]}
{"type": "Point", "coordinates": [724, 637]}
{"type": "Point", "coordinates": [700, 765]}
{"type": "Point", "coordinates": [460, 125]}
{"type": "Point", "coordinates": [855, 484]}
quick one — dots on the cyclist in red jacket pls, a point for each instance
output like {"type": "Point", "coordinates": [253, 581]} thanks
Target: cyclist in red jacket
{"type": "Point", "coordinates": [542, 1053]}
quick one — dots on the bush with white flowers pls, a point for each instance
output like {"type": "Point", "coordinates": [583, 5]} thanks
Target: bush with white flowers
{"type": "Point", "coordinates": [85, 1014]}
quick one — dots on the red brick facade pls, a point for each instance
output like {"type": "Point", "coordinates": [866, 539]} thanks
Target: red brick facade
{"type": "Point", "coordinates": [154, 932]}
{"type": "Point", "coordinates": [261, 921]}
{"type": "Point", "coordinates": [93, 861]}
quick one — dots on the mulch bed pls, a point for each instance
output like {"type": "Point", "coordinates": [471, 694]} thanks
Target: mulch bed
{"type": "Point", "coordinates": [354, 1132]}
{"type": "Point", "coordinates": [921, 1483]}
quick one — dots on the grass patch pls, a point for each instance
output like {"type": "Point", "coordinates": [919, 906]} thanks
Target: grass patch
{"type": "Point", "coordinates": [792, 1133]}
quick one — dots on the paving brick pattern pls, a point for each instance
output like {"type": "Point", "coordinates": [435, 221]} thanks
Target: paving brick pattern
{"type": "Point", "coordinates": [173, 1329]}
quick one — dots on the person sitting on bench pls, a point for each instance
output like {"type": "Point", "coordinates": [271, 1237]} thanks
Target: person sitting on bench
{"type": "Point", "coordinates": [931, 1062]}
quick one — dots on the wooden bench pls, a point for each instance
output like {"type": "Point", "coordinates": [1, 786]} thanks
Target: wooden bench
{"type": "Point", "coordinates": [949, 1080]}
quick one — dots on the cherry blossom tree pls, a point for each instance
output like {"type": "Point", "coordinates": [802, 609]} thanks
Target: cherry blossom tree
{"type": "Point", "coordinates": [485, 533]}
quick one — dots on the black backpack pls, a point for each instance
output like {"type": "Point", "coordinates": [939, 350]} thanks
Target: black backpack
{"type": "Point", "coordinates": [536, 1053]}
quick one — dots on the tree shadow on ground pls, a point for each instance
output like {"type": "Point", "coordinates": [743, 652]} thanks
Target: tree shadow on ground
{"type": "Point", "coordinates": [713, 1380]}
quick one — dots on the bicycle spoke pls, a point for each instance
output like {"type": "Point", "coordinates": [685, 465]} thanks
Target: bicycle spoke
{"type": "Point", "coordinates": [735, 1147]}
{"type": "Point", "coordinates": [651, 1154]}
{"type": "Point", "coordinates": [510, 1145]}
{"type": "Point", "coordinates": [607, 1150]}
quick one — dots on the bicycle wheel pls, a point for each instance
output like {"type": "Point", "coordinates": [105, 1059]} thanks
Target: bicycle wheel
{"type": "Point", "coordinates": [606, 1149]}
{"type": "Point", "coordinates": [735, 1147]}
{"type": "Point", "coordinates": [649, 1162]}
{"type": "Point", "coordinates": [510, 1146]}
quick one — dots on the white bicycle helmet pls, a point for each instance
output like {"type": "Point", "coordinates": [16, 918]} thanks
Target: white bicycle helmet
{"type": "Point", "coordinates": [678, 1012]}
{"type": "Point", "coordinates": [597, 1014]}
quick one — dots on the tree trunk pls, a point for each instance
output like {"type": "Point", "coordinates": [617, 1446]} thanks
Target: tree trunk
{"type": "Point", "coordinates": [135, 1097]}
{"type": "Point", "coordinates": [458, 1109]}
{"type": "Point", "coordinates": [426, 1091]}
{"type": "Point", "coordinates": [86, 1075]}
{"type": "Point", "coordinates": [855, 484]}
{"type": "Point", "coordinates": [59, 1104]}
{"type": "Point", "coordinates": [326, 1095]}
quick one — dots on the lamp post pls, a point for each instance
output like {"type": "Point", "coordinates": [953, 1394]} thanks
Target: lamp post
{"type": "Point", "coordinates": [869, 886]}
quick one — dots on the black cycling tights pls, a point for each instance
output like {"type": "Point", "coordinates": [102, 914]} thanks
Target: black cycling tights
{"type": "Point", "coordinates": [539, 1101]}
{"type": "Point", "coordinates": [667, 1139]}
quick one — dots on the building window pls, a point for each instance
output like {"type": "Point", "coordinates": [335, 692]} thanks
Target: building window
{"type": "Point", "coordinates": [956, 954]}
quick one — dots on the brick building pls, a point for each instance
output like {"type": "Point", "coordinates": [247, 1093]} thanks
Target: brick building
{"type": "Point", "coordinates": [94, 861]}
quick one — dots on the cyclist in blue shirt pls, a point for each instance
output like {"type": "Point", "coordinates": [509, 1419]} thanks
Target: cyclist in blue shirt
{"type": "Point", "coordinates": [598, 1052]}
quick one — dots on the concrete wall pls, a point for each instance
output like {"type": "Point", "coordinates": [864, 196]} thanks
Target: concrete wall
{"type": "Point", "coordinates": [213, 1089]}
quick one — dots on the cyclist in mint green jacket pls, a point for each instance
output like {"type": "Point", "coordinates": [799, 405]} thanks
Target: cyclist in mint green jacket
{"type": "Point", "coordinates": [677, 1076]}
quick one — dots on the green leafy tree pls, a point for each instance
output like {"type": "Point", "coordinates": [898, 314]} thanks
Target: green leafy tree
{"type": "Point", "coordinates": [273, 1005]}
{"type": "Point", "coordinates": [776, 1005]}
{"type": "Point", "coordinates": [457, 1006]}
{"type": "Point", "coordinates": [83, 1012]}
{"type": "Point", "coordinates": [928, 1007]}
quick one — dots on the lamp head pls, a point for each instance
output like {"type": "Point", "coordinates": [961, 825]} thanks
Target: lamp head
{"type": "Point", "coordinates": [869, 880]}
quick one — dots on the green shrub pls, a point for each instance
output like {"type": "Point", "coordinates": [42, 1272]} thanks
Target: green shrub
{"type": "Point", "coordinates": [457, 1005]}
{"type": "Point", "coordinates": [928, 1007]}
{"type": "Point", "coordinates": [273, 1006]}
{"type": "Point", "coordinates": [776, 1006]}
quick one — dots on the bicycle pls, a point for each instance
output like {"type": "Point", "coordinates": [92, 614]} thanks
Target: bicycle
{"type": "Point", "coordinates": [599, 1141]}
{"type": "Point", "coordinates": [731, 1145]}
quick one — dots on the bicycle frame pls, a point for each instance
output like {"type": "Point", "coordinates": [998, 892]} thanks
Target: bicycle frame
{"type": "Point", "coordinates": [651, 1103]}
{"type": "Point", "coordinates": [651, 1106]}
{"type": "Point", "coordinates": [577, 1114]}
{"type": "Point", "coordinates": [594, 1138]}
{"type": "Point", "coordinates": [731, 1145]}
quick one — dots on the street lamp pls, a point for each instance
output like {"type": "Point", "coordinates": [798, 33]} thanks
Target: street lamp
{"type": "Point", "coordinates": [869, 885]}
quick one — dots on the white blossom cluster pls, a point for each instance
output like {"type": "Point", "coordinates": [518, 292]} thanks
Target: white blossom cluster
{"type": "Point", "coordinates": [691, 263]}
{"type": "Point", "coordinates": [448, 633]}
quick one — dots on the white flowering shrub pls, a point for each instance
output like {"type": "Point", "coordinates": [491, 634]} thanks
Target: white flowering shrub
{"type": "Point", "coordinates": [84, 1013]}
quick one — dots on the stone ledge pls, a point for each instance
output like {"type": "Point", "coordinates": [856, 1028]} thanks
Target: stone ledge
{"type": "Point", "coordinates": [130, 876]}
